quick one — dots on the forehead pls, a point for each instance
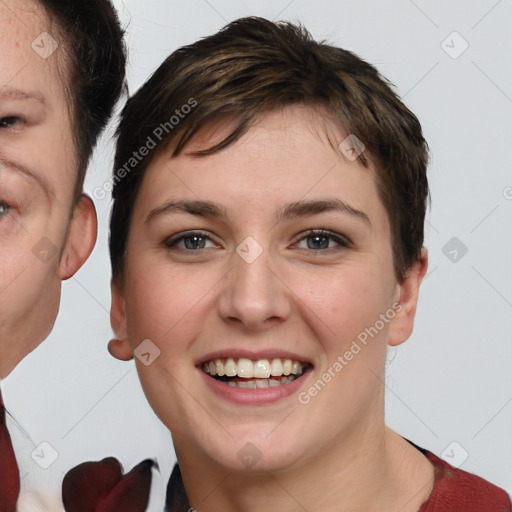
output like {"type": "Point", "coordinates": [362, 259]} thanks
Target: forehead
{"type": "Point", "coordinates": [287, 155]}
{"type": "Point", "coordinates": [24, 20]}
{"type": "Point", "coordinates": [31, 54]}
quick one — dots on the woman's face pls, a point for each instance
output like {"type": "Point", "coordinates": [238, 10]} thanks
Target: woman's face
{"type": "Point", "coordinates": [276, 249]}
{"type": "Point", "coordinates": [37, 179]}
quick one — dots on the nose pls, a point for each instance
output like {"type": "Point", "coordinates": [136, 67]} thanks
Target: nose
{"type": "Point", "coordinates": [254, 296]}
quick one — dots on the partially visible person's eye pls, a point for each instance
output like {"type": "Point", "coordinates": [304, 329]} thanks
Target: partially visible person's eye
{"type": "Point", "coordinates": [322, 240]}
{"type": "Point", "coordinates": [191, 241]}
{"type": "Point", "coordinates": [11, 122]}
{"type": "Point", "coordinates": [5, 209]}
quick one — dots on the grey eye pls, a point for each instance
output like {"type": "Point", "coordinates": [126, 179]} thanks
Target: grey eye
{"type": "Point", "coordinates": [194, 242]}
{"type": "Point", "coordinates": [4, 209]}
{"type": "Point", "coordinates": [318, 242]}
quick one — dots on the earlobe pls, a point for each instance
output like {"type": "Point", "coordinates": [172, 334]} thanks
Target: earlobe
{"type": "Point", "coordinates": [119, 347]}
{"type": "Point", "coordinates": [403, 322]}
{"type": "Point", "coordinates": [81, 238]}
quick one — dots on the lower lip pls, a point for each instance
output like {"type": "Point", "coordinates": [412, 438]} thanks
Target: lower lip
{"type": "Point", "coordinates": [256, 396]}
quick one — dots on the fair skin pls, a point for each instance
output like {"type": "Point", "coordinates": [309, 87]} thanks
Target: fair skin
{"type": "Point", "coordinates": [44, 236]}
{"type": "Point", "coordinates": [306, 297]}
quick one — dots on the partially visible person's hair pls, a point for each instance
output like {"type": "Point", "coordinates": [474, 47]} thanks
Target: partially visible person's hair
{"type": "Point", "coordinates": [90, 34]}
{"type": "Point", "coordinates": [252, 67]}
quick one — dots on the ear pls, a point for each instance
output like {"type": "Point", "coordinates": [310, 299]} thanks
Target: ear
{"type": "Point", "coordinates": [407, 298]}
{"type": "Point", "coordinates": [81, 238]}
{"type": "Point", "coordinates": [119, 347]}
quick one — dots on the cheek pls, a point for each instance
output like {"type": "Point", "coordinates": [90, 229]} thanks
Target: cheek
{"type": "Point", "coordinates": [171, 308]}
{"type": "Point", "coordinates": [167, 305]}
{"type": "Point", "coordinates": [345, 316]}
{"type": "Point", "coordinates": [342, 303]}
{"type": "Point", "coordinates": [30, 297]}
{"type": "Point", "coordinates": [29, 265]}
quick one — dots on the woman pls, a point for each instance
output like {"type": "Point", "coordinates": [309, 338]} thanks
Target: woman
{"type": "Point", "coordinates": [266, 245]}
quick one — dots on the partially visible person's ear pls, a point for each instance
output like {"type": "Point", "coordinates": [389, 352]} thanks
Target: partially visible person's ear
{"type": "Point", "coordinates": [119, 347]}
{"type": "Point", "coordinates": [407, 301]}
{"type": "Point", "coordinates": [81, 238]}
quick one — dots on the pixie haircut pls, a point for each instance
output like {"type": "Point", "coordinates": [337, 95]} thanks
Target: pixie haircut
{"type": "Point", "coordinates": [95, 60]}
{"type": "Point", "coordinates": [252, 67]}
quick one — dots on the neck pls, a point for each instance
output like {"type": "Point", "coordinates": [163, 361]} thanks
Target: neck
{"type": "Point", "coordinates": [8, 362]}
{"type": "Point", "coordinates": [376, 471]}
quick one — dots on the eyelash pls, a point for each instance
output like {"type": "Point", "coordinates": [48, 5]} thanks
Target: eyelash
{"type": "Point", "coordinates": [342, 241]}
{"type": "Point", "coordinates": [11, 122]}
{"type": "Point", "coordinates": [174, 240]}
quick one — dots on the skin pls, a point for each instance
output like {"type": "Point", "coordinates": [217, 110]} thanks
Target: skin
{"type": "Point", "coordinates": [312, 302]}
{"type": "Point", "coordinates": [38, 169]}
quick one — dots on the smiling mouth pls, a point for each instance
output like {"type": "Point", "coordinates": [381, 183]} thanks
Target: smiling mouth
{"type": "Point", "coordinates": [248, 374]}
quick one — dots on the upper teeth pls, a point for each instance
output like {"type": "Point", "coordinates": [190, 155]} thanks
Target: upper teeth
{"type": "Point", "coordinates": [247, 369]}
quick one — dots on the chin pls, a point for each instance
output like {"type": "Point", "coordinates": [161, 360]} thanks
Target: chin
{"type": "Point", "coordinates": [253, 449]}
{"type": "Point", "coordinates": [252, 459]}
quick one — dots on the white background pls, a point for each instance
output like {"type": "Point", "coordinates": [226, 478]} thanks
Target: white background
{"type": "Point", "coordinates": [452, 381]}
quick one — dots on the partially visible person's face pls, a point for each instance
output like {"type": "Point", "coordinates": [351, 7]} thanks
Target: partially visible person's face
{"type": "Point", "coordinates": [274, 252]}
{"type": "Point", "coordinates": [37, 180]}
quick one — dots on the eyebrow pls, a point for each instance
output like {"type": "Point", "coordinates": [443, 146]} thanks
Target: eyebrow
{"type": "Point", "coordinates": [28, 173]}
{"type": "Point", "coordinates": [192, 207]}
{"type": "Point", "coordinates": [8, 93]}
{"type": "Point", "coordinates": [297, 209]}
{"type": "Point", "coordinates": [315, 207]}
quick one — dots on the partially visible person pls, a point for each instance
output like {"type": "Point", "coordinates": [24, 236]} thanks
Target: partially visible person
{"type": "Point", "coordinates": [62, 69]}
{"type": "Point", "coordinates": [276, 219]}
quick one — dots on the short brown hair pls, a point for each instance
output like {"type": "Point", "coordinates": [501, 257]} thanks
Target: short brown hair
{"type": "Point", "coordinates": [95, 57]}
{"type": "Point", "coordinates": [254, 66]}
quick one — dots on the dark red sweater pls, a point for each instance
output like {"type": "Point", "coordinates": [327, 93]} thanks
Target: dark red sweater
{"type": "Point", "coordinates": [458, 491]}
